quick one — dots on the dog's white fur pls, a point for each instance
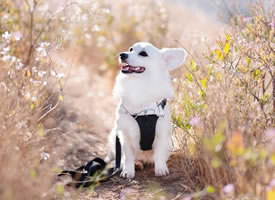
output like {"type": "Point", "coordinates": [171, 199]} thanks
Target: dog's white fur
{"type": "Point", "coordinates": [137, 91]}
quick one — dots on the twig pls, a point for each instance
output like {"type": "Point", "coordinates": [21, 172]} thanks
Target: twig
{"type": "Point", "coordinates": [31, 12]}
{"type": "Point", "coordinates": [196, 80]}
{"type": "Point", "coordinates": [55, 106]}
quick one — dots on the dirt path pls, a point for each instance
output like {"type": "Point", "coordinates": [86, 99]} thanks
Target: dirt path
{"type": "Point", "coordinates": [88, 118]}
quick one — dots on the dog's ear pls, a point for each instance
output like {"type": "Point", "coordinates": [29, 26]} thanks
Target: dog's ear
{"type": "Point", "coordinates": [173, 57]}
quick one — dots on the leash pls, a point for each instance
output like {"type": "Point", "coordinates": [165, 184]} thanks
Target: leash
{"type": "Point", "coordinates": [94, 171]}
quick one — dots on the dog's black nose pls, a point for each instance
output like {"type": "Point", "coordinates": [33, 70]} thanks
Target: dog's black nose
{"type": "Point", "coordinates": [123, 56]}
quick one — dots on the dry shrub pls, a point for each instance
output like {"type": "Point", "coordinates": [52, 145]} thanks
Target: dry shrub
{"type": "Point", "coordinates": [30, 89]}
{"type": "Point", "coordinates": [224, 111]}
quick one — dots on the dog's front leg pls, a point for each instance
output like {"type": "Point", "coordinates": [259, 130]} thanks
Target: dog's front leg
{"type": "Point", "coordinates": [161, 152]}
{"type": "Point", "coordinates": [128, 170]}
{"type": "Point", "coordinates": [161, 168]}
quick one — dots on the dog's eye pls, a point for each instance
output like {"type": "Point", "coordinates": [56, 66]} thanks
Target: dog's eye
{"type": "Point", "coordinates": [143, 53]}
{"type": "Point", "coordinates": [131, 49]}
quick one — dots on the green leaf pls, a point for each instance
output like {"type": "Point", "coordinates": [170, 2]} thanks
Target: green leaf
{"type": "Point", "coordinates": [219, 55]}
{"type": "Point", "coordinates": [226, 48]}
{"type": "Point", "coordinates": [228, 37]}
{"type": "Point", "coordinates": [60, 189]}
{"type": "Point", "coordinates": [248, 61]}
{"type": "Point", "coordinates": [203, 82]}
{"type": "Point", "coordinates": [189, 77]}
{"type": "Point", "coordinates": [193, 65]}
{"type": "Point", "coordinates": [210, 189]}
{"type": "Point", "coordinates": [216, 162]}
{"type": "Point", "coordinates": [272, 158]}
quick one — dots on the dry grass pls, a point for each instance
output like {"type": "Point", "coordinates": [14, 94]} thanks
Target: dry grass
{"type": "Point", "coordinates": [223, 110]}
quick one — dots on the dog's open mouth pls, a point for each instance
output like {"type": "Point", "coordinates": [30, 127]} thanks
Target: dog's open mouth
{"type": "Point", "coordinates": [128, 69]}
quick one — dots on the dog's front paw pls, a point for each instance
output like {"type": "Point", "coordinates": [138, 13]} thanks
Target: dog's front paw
{"type": "Point", "coordinates": [161, 170]}
{"type": "Point", "coordinates": [127, 174]}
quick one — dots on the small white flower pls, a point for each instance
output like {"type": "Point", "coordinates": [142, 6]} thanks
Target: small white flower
{"type": "Point", "coordinates": [45, 83]}
{"type": "Point", "coordinates": [44, 44]}
{"type": "Point", "coordinates": [6, 57]}
{"type": "Point", "coordinates": [106, 10]}
{"type": "Point", "coordinates": [37, 82]}
{"type": "Point", "coordinates": [27, 136]}
{"type": "Point", "coordinates": [203, 38]}
{"type": "Point", "coordinates": [33, 98]}
{"type": "Point", "coordinates": [96, 28]}
{"type": "Point", "coordinates": [40, 49]}
{"type": "Point", "coordinates": [43, 54]}
{"type": "Point", "coordinates": [6, 16]}
{"type": "Point", "coordinates": [19, 66]}
{"type": "Point", "coordinates": [44, 156]}
{"type": "Point", "coordinates": [28, 95]}
{"type": "Point", "coordinates": [88, 36]}
{"type": "Point", "coordinates": [60, 75]}
{"type": "Point", "coordinates": [21, 124]}
{"type": "Point", "coordinates": [41, 73]}
{"type": "Point", "coordinates": [6, 35]}
{"type": "Point", "coordinates": [53, 73]}
{"type": "Point", "coordinates": [84, 17]}
{"type": "Point", "coordinates": [6, 49]}
{"type": "Point", "coordinates": [34, 69]}
{"type": "Point", "coordinates": [13, 59]}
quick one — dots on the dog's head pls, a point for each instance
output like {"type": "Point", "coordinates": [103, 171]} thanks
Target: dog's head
{"type": "Point", "coordinates": [144, 76]}
{"type": "Point", "coordinates": [144, 58]}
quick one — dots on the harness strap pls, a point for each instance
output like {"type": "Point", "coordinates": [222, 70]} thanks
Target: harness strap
{"type": "Point", "coordinates": [163, 103]}
{"type": "Point", "coordinates": [155, 108]}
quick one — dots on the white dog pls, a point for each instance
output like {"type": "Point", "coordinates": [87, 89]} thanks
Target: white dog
{"type": "Point", "coordinates": [143, 120]}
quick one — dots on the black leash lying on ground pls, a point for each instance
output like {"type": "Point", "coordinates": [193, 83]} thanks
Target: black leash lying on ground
{"type": "Point", "coordinates": [94, 171]}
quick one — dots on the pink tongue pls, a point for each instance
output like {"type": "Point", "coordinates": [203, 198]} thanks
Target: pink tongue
{"type": "Point", "coordinates": [131, 68]}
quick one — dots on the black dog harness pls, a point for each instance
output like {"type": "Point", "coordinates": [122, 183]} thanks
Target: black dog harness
{"type": "Point", "coordinates": [147, 125]}
{"type": "Point", "coordinates": [95, 171]}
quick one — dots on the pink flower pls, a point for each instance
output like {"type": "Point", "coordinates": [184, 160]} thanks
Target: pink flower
{"type": "Point", "coordinates": [229, 188]}
{"type": "Point", "coordinates": [195, 121]}
{"type": "Point", "coordinates": [271, 185]}
{"type": "Point", "coordinates": [187, 198]}
{"type": "Point", "coordinates": [247, 19]}
{"type": "Point", "coordinates": [270, 134]}
{"type": "Point", "coordinates": [270, 138]}
{"type": "Point", "coordinates": [16, 36]}
{"type": "Point", "coordinates": [272, 24]}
